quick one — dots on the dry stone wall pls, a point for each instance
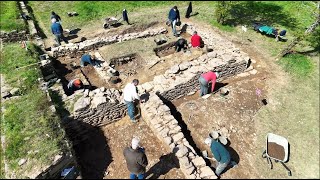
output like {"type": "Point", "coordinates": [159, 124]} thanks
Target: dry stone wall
{"type": "Point", "coordinates": [13, 36]}
{"type": "Point", "coordinates": [100, 106]}
{"type": "Point", "coordinates": [74, 48]}
{"type": "Point", "coordinates": [166, 127]}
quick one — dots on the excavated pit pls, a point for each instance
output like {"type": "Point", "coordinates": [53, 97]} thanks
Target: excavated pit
{"type": "Point", "coordinates": [127, 65]}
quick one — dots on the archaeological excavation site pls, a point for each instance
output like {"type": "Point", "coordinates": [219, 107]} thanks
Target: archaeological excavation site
{"type": "Point", "coordinates": [173, 118]}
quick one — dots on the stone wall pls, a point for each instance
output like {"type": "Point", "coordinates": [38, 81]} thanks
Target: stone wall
{"type": "Point", "coordinates": [100, 106]}
{"type": "Point", "coordinates": [76, 48]}
{"type": "Point", "coordinates": [166, 128]}
{"type": "Point", "coordinates": [13, 36]}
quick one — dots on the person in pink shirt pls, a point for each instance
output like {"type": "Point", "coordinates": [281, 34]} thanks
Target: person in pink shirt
{"type": "Point", "coordinates": [205, 79]}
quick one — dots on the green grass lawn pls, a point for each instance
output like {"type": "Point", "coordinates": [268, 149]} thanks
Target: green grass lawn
{"type": "Point", "coordinates": [10, 19]}
{"type": "Point", "coordinates": [28, 124]}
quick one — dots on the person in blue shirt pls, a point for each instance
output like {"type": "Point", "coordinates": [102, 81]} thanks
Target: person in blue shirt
{"type": "Point", "coordinates": [174, 17]}
{"type": "Point", "coordinates": [57, 31]}
{"type": "Point", "coordinates": [220, 153]}
{"type": "Point", "coordinates": [89, 58]}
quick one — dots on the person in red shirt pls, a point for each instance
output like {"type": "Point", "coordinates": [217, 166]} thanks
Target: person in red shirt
{"type": "Point", "coordinates": [204, 81]}
{"type": "Point", "coordinates": [196, 40]}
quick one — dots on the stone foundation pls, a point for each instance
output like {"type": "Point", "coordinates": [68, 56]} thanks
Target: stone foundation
{"type": "Point", "coordinates": [13, 36]}
{"type": "Point", "coordinates": [77, 48]}
{"type": "Point", "coordinates": [166, 128]}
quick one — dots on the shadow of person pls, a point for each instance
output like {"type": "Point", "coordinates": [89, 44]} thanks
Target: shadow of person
{"type": "Point", "coordinates": [217, 86]}
{"type": "Point", "coordinates": [166, 163]}
{"type": "Point", "coordinates": [234, 157]}
{"type": "Point", "coordinates": [75, 31]}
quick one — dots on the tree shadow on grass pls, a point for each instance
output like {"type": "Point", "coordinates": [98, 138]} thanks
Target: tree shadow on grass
{"type": "Point", "coordinates": [269, 14]}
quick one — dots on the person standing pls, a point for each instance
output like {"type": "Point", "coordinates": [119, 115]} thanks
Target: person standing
{"type": "Point", "coordinates": [125, 16]}
{"type": "Point", "coordinates": [205, 79]}
{"type": "Point", "coordinates": [174, 17]}
{"type": "Point", "coordinates": [220, 153]}
{"type": "Point", "coordinates": [136, 159]}
{"type": "Point", "coordinates": [130, 96]}
{"type": "Point", "coordinates": [57, 31]}
{"type": "Point", "coordinates": [189, 10]}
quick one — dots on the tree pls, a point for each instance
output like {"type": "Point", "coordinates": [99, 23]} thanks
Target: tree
{"type": "Point", "coordinates": [307, 33]}
{"type": "Point", "coordinates": [222, 11]}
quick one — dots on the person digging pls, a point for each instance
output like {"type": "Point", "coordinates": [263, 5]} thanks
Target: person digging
{"type": "Point", "coordinates": [220, 153]}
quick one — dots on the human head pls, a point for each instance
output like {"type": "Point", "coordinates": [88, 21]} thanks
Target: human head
{"type": "Point", "coordinates": [208, 141]}
{"type": "Point", "coordinates": [135, 82]}
{"type": "Point", "coordinates": [195, 32]}
{"type": "Point", "coordinates": [214, 135]}
{"type": "Point", "coordinates": [92, 55]}
{"type": "Point", "coordinates": [78, 83]}
{"type": "Point", "coordinates": [53, 20]}
{"type": "Point", "coordinates": [53, 13]}
{"type": "Point", "coordinates": [175, 7]}
{"type": "Point", "coordinates": [135, 143]}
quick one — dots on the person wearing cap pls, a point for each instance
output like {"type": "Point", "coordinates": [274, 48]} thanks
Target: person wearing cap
{"type": "Point", "coordinates": [181, 44]}
{"type": "Point", "coordinates": [57, 31]}
{"type": "Point", "coordinates": [136, 159]}
{"type": "Point", "coordinates": [205, 79]}
{"type": "Point", "coordinates": [174, 17]}
{"type": "Point", "coordinates": [196, 40]}
{"type": "Point", "coordinates": [75, 84]}
{"type": "Point", "coordinates": [130, 95]}
{"type": "Point", "coordinates": [220, 153]}
{"type": "Point", "coordinates": [89, 58]}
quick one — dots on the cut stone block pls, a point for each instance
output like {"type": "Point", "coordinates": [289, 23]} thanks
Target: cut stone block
{"type": "Point", "coordinates": [178, 137]}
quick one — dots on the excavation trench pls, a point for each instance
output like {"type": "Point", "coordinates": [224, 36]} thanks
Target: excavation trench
{"type": "Point", "coordinates": [184, 128]}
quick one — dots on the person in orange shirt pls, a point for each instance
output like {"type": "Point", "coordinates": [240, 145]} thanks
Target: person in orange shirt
{"type": "Point", "coordinates": [205, 79]}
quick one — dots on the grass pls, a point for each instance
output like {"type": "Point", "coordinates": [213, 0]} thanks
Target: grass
{"type": "Point", "coordinates": [10, 16]}
{"type": "Point", "coordinates": [28, 122]}
{"type": "Point", "coordinates": [294, 114]}
{"type": "Point", "coordinates": [297, 65]}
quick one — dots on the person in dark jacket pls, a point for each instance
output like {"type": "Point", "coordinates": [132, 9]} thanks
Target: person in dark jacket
{"type": "Point", "coordinates": [220, 153]}
{"type": "Point", "coordinates": [181, 44]}
{"type": "Point", "coordinates": [89, 58]}
{"type": "Point", "coordinates": [136, 159]}
{"type": "Point", "coordinates": [189, 10]}
{"type": "Point", "coordinates": [174, 17]}
{"type": "Point", "coordinates": [55, 16]}
{"type": "Point", "coordinates": [57, 31]}
{"type": "Point", "coordinates": [125, 16]}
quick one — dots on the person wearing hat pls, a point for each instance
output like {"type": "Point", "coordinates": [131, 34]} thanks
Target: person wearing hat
{"type": "Point", "coordinates": [57, 31]}
{"type": "Point", "coordinates": [205, 79]}
{"type": "Point", "coordinates": [220, 153]}
{"type": "Point", "coordinates": [136, 159]}
{"type": "Point", "coordinates": [74, 85]}
{"type": "Point", "coordinates": [89, 58]}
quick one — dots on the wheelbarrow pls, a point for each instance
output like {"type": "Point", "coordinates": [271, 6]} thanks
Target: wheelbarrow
{"type": "Point", "coordinates": [110, 21]}
{"type": "Point", "coordinates": [277, 149]}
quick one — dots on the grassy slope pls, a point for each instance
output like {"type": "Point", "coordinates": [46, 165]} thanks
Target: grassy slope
{"type": "Point", "coordinates": [10, 16]}
{"type": "Point", "coordinates": [27, 119]}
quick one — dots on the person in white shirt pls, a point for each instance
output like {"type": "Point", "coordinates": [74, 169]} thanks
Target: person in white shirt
{"type": "Point", "coordinates": [130, 95]}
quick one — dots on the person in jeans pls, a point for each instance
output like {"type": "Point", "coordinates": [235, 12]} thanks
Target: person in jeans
{"type": "Point", "coordinates": [57, 31]}
{"type": "Point", "coordinates": [89, 58]}
{"type": "Point", "coordinates": [174, 17]}
{"type": "Point", "coordinates": [130, 95]}
{"type": "Point", "coordinates": [220, 153]}
{"type": "Point", "coordinates": [205, 79]}
{"type": "Point", "coordinates": [136, 159]}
